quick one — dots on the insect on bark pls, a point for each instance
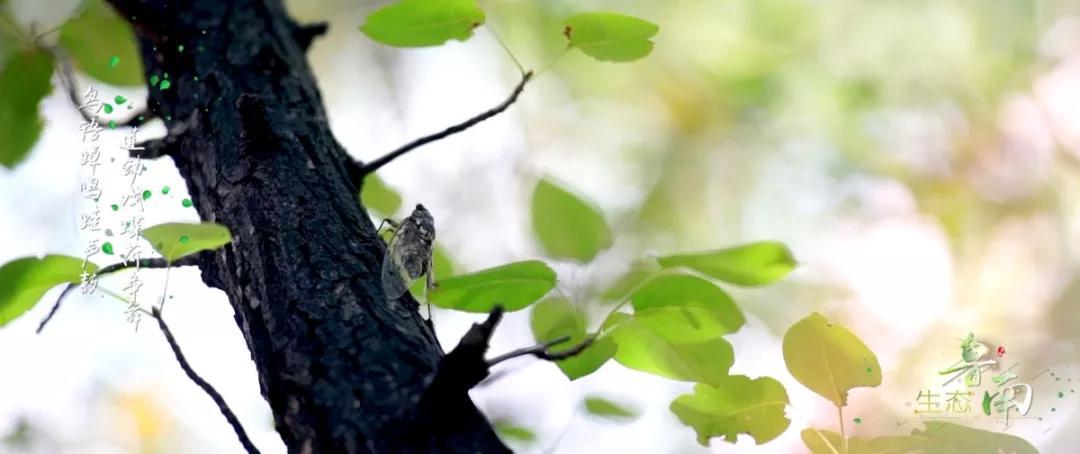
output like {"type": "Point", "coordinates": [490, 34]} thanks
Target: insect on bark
{"type": "Point", "coordinates": [408, 253]}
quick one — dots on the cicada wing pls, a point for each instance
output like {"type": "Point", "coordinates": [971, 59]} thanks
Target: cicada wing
{"type": "Point", "coordinates": [393, 273]}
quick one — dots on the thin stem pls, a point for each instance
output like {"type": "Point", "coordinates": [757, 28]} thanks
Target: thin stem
{"type": "Point", "coordinates": [554, 61]}
{"type": "Point", "coordinates": [843, 434]}
{"type": "Point", "coordinates": [502, 44]}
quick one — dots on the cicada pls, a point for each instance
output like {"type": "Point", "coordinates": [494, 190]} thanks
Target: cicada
{"type": "Point", "coordinates": [408, 253]}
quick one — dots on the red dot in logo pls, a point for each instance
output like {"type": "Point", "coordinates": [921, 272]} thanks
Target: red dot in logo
{"type": "Point", "coordinates": [1001, 351]}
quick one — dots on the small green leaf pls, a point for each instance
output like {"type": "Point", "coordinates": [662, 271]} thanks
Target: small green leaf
{"type": "Point", "coordinates": [640, 348]}
{"type": "Point", "coordinates": [567, 226]}
{"type": "Point", "coordinates": [422, 23]}
{"type": "Point", "coordinates": [553, 318]}
{"type": "Point", "coordinates": [24, 82]}
{"type": "Point", "coordinates": [684, 308]}
{"type": "Point", "coordinates": [376, 195]}
{"type": "Point", "coordinates": [598, 406]}
{"type": "Point", "coordinates": [829, 359]}
{"type": "Point", "coordinates": [750, 264]}
{"type": "Point", "coordinates": [97, 37]}
{"type": "Point", "coordinates": [178, 239]}
{"type": "Point", "coordinates": [735, 405]}
{"type": "Point", "coordinates": [24, 281]}
{"type": "Point", "coordinates": [610, 36]}
{"type": "Point", "coordinates": [513, 286]}
{"type": "Point", "coordinates": [510, 432]}
{"type": "Point", "coordinates": [828, 442]}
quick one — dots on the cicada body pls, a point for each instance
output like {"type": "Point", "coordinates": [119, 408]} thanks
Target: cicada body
{"type": "Point", "coordinates": [408, 254]}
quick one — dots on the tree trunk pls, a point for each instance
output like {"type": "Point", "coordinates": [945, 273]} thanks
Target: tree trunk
{"type": "Point", "coordinates": [343, 368]}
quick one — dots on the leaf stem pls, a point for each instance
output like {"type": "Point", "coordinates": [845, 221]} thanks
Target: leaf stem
{"type": "Point", "coordinates": [843, 434]}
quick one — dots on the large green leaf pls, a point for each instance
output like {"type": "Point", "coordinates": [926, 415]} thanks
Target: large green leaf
{"type": "Point", "coordinates": [610, 36]}
{"type": "Point", "coordinates": [376, 195]}
{"type": "Point", "coordinates": [513, 286]}
{"type": "Point", "coordinates": [735, 405]}
{"type": "Point", "coordinates": [24, 82]}
{"type": "Point", "coordinates": [749, 264]}
{"type": "Point", "coordinates": [640, 348]}
{"type": "Point", "coordinates": [945, 437]}
{"type": "Point", "coordinates": [103, 45]}
{"type": "Point", "coordinates": [177, 239]}
{"type": "Point", "coordinates": [553, 318]}
{"type": "Point", "coordinates": [567, 226]}
{"type": "Point", "coordinates": [606, 409]}
{"type": "Point", "coordinates": [684, 308]}
{"type": "Point", "coordinates": [24, 281]}
{"type": "Point", "coordinates": [827, 442]}
{"type": "Point", "coordinates": [829, 359]}
{"type": "Point", "coordinates": [421, 23]}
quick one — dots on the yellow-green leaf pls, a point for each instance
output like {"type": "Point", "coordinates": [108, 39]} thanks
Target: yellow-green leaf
{"type": "Point", "coordinates": [640, 348]}
{"type": "Point", "coordinates": [685, 308]}
{"type": "Point", "coordinates": [513, 286]}
{"type": "Point", "coordinates": [421, 23]}
{"type": "Point", "coordinates": [376, 195]}
{"type": "Point", "coordinates": [103, 45]}
{"type": "Point", "coordinates": [829, 359]}
{"type": "Point", "coordinates": [606, 409]}
{"type": "Point", "coordinates": [178, 239]}
{"type": "Point", "coordinates": [24, 281]}
{"type": "Point", "coordinates": [735, 405]}
{"type": "Point", "coordinates": [24, 82]}
{"type": "Point", "coordinates": [827, 442]}
{"type": "Point", "coordinates": [556, 317]}
{"type": "Point", "coordinates": [946, 437]}
{"type": "Point", "coordinates": [749, 264]}
{"type": "Point", "coordinates": [611, 36]}
{"type": "Point", "coordinates": [567, 226]}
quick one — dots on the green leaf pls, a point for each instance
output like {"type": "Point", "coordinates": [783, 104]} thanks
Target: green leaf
{"type": "Point", "coordinates": [24, 82]}
{"type": "Point", "coordinates": [510, 432]}
{"type": "Point", "coordinates": [610, 36]}
{"type": "Point", "coordinates": [513, 286]}
{"type": "Point", "coordinates": [376, 195]}
{"type": "Point", "coordinates": [684, 308]}
{"type": "Point", "coordinates": [603, 408]}
{"type": "Point", "coordinates": [95, 37]}
{"type": "Point", "coordinates": [750, 264]}
{"type": "Point", "coordinates": [827, 442]}
{"type": "Point", "coordinates": [735, 405]}
{"type": "Point", "coordinates": [567, 226]}
{"type": "Point", "coordinates": [829, 359]}
{"type": "Point", "coordinates": [24, 281]}
{"type": "Point", "coordinates": [178, 239]}
{"type": "Point", "coordinates": [946, 437]}
{"type": "Point", "coordinates": [422, 23]}
{"type": "Point", "coordinates": [553, 318]}
{"type": "Point", "coordinates": [641, 349]}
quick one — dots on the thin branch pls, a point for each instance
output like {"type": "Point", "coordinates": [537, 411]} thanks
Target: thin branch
{"type": "Point", "coordinates": [151, 263]}
{"type": "Point", "coordinates": [306, 34]}
{"type": "Point", "coordinates": [385, 159]}
{"type": "Point", "coordinates": [543, 351]}
{"type": "Point", "coordinates": [206, 387]}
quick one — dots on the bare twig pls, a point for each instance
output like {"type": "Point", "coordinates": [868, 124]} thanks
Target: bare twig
{"type": "Point", "coordinates": [204, 385]}
{"type": "Point", "coordinates": [305, 34]}
{"type": "Point", "coordinates": [151, 263]}
{"type": "Point", "coordinates": [372, 166]}
{"type": "Point", "coordinates": [543, 351]}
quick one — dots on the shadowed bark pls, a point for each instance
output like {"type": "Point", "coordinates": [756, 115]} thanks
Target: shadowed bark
{"type": "Point", "coordinates": [344, 370]}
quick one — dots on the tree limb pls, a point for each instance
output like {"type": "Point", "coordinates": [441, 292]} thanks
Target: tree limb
{"type": "Point", "coordinates": [306, 34]}
{"type": "Point", "coordinates": [204, 385]}
{"type": "Point", "coordinates": [150, 263]}
{"type": "Point", "coordinates": [365, 169]}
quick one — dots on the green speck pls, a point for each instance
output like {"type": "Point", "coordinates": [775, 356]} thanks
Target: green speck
{"type": "Point", "coordinates": [107, 107]}
{"type": "Point", "coordinates": [186, 203]}
{"type": "Point", "coordinates": [112, 124]}
{"type": "Point", "coordinates": [114, 61]}
{"type": "Point", "coordinates": [107, 248]}
{"type": "Point", "coordinates": [184, 239]}
{"type": "Point", "coordinates": [168, 118]}
{"type": "Point", "coordinates": [115, 207]}
{"type": "Point", "coordinates": [1053, 409]}
{"type": "Point", "coordinates": [869, 370]}
{"type": "Point", "coordinates": [165, 190]}
{"type": "Point", "coordinates": [154, 80]}
{"type": "Point", "coordinates": [180, 48]}
{"type": "Point", "coordinates": [146, 194]}
{"type": "Point", "coordinates": [141, 118]}
{"type": "Point", "coordinates": [858, 420]}
{"type": "Point", "coordinates": [165, 85]}
{"type": "Point", "coordinates": [1060, 394]}
{"type": "Point", "coordinates": [166, 75]}
{"type": "Point", "coordinates": [120, 99]}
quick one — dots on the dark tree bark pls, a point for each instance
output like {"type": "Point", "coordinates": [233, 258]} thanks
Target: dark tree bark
{"type": "Point", "coordinates": [343, 368]}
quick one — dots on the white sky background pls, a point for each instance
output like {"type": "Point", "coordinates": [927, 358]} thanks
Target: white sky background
{"type": "Point", "coordinates": [67, 379]}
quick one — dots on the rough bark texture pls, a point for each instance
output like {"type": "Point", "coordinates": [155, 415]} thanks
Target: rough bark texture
{"type": "Point", "coordinates": [343, 369]}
